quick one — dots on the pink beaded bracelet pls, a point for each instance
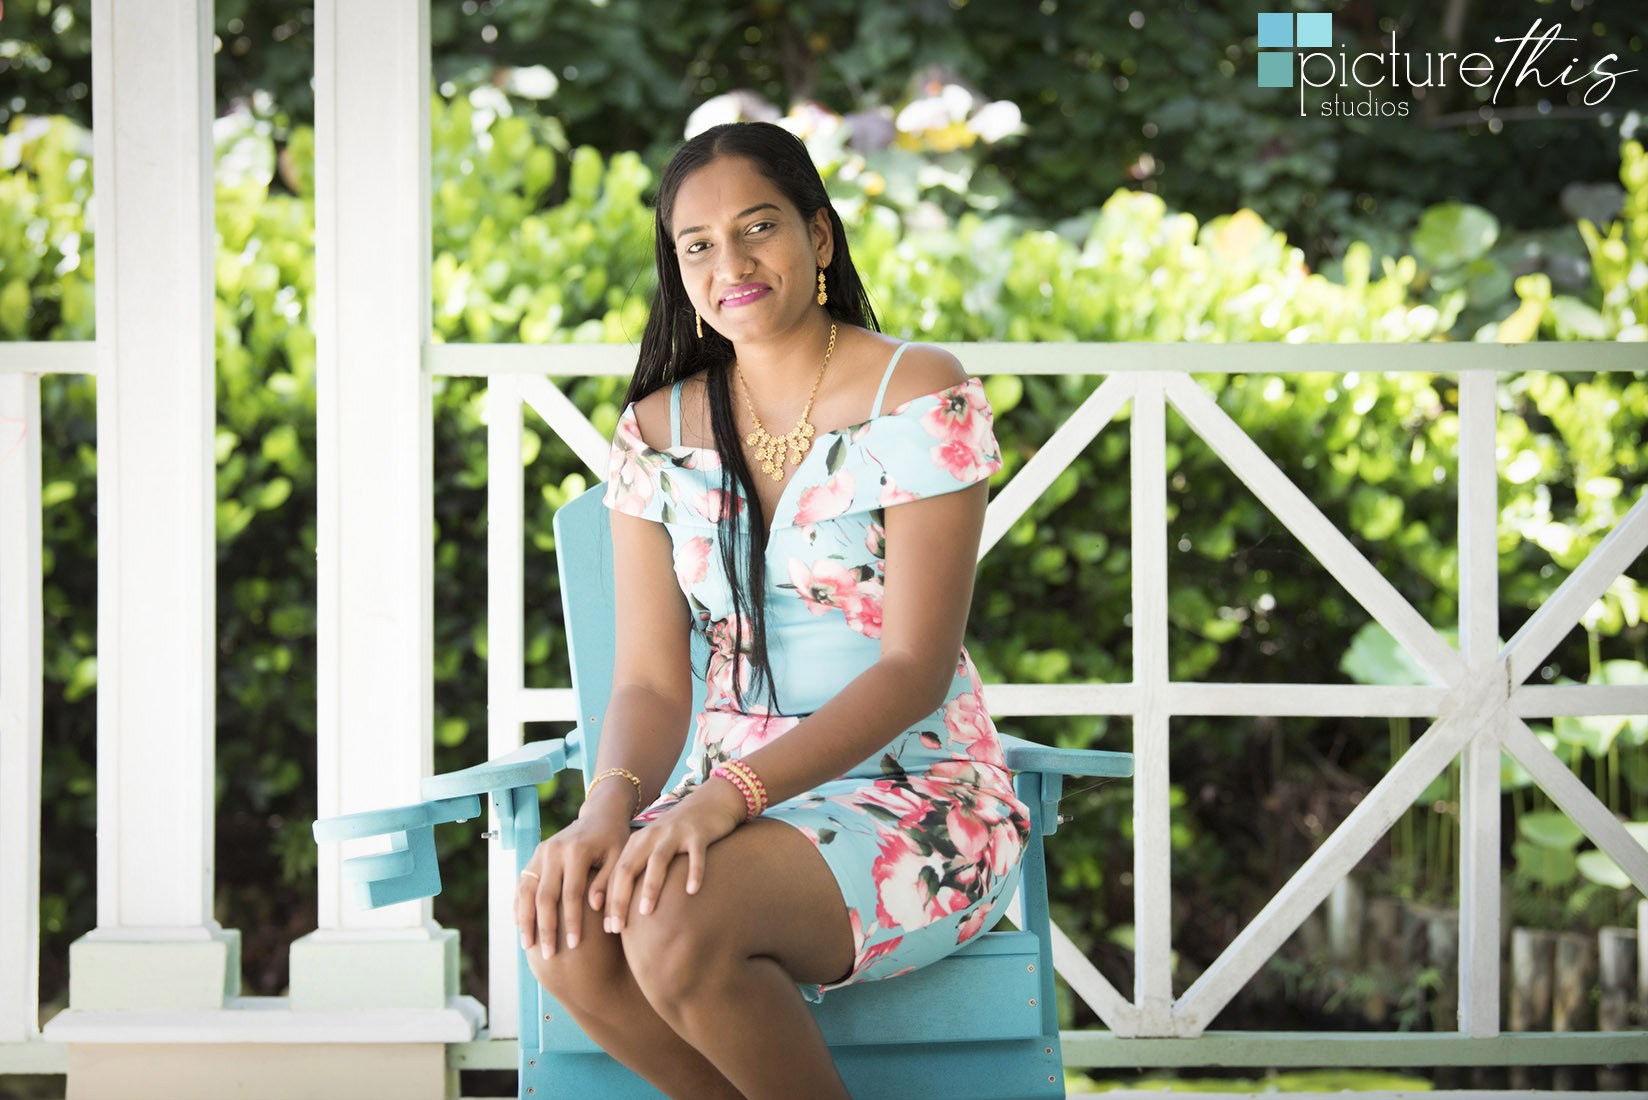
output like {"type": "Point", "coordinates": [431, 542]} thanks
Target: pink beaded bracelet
{"type": "Point", "coordinates": [743, 777]}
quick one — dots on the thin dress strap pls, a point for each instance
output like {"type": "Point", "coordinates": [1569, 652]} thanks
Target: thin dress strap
{"type": "Point", "coordinates": [875, 410]}
{"type": "Point", "coordinates": [675, 415]}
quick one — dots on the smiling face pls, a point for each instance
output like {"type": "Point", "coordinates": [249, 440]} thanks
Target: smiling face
{"type": "Point", "coordinates": [748, 259]}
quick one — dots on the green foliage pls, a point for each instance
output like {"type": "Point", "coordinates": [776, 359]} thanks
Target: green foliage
{"type": "Point", "coordinates": [1113, 93]}
{"type": "Point", "coordinates": [537, 241]}
{"type": "Point", "coordinates": [1619, 264]}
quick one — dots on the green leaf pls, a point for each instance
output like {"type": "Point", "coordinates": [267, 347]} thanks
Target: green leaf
{"type": "Point", "coordinates": [14, 309]}
{"type": "Point", "coordinates": [83, 680]}
{"type": "Point", "coordinates": [274, 494]}
{"type": "Point", "coordinates": [1374, 657]}
{"type": "Point", "coordinates": [1453, 233]}
{"type": "Point", "coordinates": [1551, 867]}
{"type": "Point", "coordinates": [1003, 391]}
{"type": "Point", "coordinates": [451, 731]}
{"type": "Point", "coordinates": [280, 443]}
{"type": "Point", "coordinates": [1599, 867]}
{"type": "Point", "coordinates": [1592, 732]}
{"type": "Point", "coordinates": [56, 492]}
{"type": "Point", "coordinates": [1576, 320]}
{"type": "Point", "coordinates": [1550, 829]}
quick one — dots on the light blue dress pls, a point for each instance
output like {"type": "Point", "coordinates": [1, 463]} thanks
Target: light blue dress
{"type": "Point", "coordinates": [923, 835]}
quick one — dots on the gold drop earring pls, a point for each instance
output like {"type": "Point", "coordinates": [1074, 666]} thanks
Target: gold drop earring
{"type": "Point", "coordinates": [698, 320]}
{"type": "Point", "coordinates": [823, 295]}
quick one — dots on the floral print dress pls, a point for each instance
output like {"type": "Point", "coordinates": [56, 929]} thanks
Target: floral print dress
{"type": "Point", "coordinates": [924, 836]}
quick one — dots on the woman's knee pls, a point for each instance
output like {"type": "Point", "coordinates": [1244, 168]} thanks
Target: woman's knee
{"type": "Point", "coordinates": [676, 951]}
{"type": "Point", "coordinates": [584, 975]}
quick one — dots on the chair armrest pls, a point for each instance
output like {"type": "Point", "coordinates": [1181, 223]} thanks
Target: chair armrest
{"type": "Point", "coordinates": [527, 766]}
{"type": "Point", "coordinates": [407, 870]}
{"type": "Point", "coordinates": [1054, 764]}
{"type": "Point", "coordinates": [1027, 756]}
{"type": "Point", "coordinates": [395, 819]}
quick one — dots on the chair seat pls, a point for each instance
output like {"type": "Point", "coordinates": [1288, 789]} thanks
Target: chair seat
{"type": "Point", "coordinates": [939, 1003]}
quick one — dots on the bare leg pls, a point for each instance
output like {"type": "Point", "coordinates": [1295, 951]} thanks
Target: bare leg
{"type": "Point", "coordinates": [720, 966]}
{"type": "Point", "coordinates": [593, 982]}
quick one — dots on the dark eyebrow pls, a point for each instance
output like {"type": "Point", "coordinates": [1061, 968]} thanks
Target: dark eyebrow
{"type": "Point", "coordinates": [741, 214]}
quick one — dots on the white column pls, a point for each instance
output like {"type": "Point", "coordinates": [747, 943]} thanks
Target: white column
{"type": "Point", "coordinates": [1479, 802]}
{"type": "Point", "coordinates": [505, 675]}
{"type": "Point", "coordinates": [375, 487]}
{"type": "Point", "coordinates": [156, 944]}
{"type": "Point", "coordinates": [20, 692]}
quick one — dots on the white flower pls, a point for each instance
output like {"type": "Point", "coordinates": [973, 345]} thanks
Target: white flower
{"type": "Point", "coordinates": [740, 105]}
{"type": "Point", "coordinates": [996, 120]}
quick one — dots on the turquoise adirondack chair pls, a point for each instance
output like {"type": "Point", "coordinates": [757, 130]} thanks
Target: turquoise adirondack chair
{"type": "Point", "coordinates": [1000, 1043]}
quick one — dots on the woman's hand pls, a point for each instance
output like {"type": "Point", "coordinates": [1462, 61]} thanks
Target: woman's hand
{"type": "Point", "coordinates": [550, 892]}
{"type": "Point", "coordinates": [688, 828]}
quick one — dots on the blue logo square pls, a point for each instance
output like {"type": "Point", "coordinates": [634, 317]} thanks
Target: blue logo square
{"type": "Point", "coordinates": [1276, 70]}
{"type": "Point", "coordinates": [1275, 29]}
{"type": "Point", "coordinates": [1315, 31]}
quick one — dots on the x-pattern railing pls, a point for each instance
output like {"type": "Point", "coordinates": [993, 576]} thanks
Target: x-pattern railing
{"type": "Point", "coordinates": [1478, 697]}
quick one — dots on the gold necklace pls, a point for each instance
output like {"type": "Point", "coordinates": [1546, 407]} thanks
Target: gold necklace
{"type": "Point", "coordinates": [769, 449]}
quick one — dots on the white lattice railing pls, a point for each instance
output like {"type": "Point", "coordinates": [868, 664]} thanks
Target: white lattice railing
{"type": "Point", "coordinates": [1478, 697]}
{"type": "Point", "coordinates": [22, 667]}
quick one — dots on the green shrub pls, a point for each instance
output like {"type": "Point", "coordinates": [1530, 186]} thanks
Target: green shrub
{"type": "Point", "coordinates": [538, 244]}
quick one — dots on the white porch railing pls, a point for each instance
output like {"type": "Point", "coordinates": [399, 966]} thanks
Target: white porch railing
{"type": "Point", "coordinates": [1478, 699]}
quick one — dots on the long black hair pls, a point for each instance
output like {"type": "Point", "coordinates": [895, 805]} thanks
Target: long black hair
{"type": "Point", "coordinates": [671, 350]}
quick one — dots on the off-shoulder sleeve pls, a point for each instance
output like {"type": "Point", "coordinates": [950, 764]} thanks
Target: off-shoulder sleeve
{"type": "Point", "coordinates": [666, 486]}
{"type": "Point", "coordinates": [933, 444]}
{"type": "Point", "coordinates": [635, 485]}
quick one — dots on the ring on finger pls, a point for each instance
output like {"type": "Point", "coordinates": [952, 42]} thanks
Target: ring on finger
{"type": "Point", "coordinates": [534, 874]}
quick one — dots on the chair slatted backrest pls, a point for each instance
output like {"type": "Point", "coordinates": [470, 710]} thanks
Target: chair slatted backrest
{"type": "Point", "coordinates": [583, 553]}
{"type": "Point", "coordinates": [885, 1036]}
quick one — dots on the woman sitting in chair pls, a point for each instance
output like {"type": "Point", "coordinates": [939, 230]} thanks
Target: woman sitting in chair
{"type": "Point", "coordinates": [809, 494]}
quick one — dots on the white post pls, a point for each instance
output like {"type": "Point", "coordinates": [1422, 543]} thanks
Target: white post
{"type": "Point", "coordinates": [375, 512]}
{"type": "Point", "coordinates": [1152, 852]}
{"type": "Point", "coordinates": [505, 672]}
{"type": "Point", "coordinates": [21, 661]}
{"type": "Point", "coordinates": [1479, 806]}
{"type": "Point", "coordinates": [155, 944]}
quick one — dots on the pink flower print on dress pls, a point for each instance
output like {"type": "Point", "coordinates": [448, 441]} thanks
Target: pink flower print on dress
{"type": "Point", "coordinates": [875, 541]}
{"type": "Point", "coordinates": [974, 924]}
{"type": "Point", "coordinates": [826, 584]}
{"type": "Point", "coordinates": [692, 561]}
{"type": "Point", "coordinates": [629, 480]}
{"type": "Point", "coordinates": [970, 835]}
{"type": "Point", "coordinates": [960, 459]}
{"type": "Point", "coordinates": [724, 664]}
{"type": "Point", "coordinates": [970, 728]}
{"type": "Point", "coordinates": [730, 734]}
{"type": "Point", "coordinates": [716, 506]}
{"type": "Point", "coordinates": [880, 950]}
{"type": "Point", "coordinates": [902, 898]}
{"type": "Point", "coordinates": [863, 609]}
{"type": "Point", "coordinates": [826, 501]}
{"type": "Point", "coordinates": [1006, 841]}
{"type": "Point", "coordinates": [961, 423]}
{"type": "Point", "coordinates": [892, 494]}
{"type": "Point", "coordinates": [895, 798]}
{"type": "Point", "coordinates": [957, 416]}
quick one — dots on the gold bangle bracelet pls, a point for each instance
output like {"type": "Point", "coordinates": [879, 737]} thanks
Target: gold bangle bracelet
{"type": "Point", "coordinates": [609, 773]}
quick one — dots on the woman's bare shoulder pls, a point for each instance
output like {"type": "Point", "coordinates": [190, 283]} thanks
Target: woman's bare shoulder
{"type": "Point", "coordinates": [921, 370]}
{"type": "Point", "coordinates": [652, 418]}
